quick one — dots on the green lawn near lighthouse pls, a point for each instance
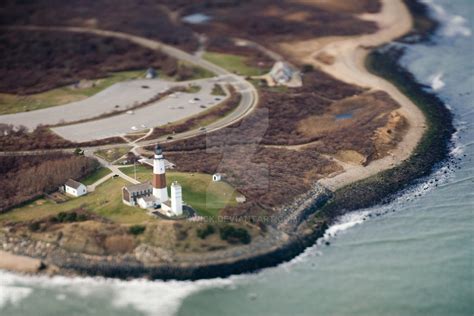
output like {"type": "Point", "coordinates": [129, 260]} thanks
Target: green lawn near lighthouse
{"type": "Point", "coordinates": [199, 191]}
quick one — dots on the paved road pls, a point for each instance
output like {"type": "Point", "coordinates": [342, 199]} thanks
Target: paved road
{"type": "Point", "coordinates": [169, 109]}
{"type": "Point", "coordinates": [248, 102]}
{"type": "Point", "coordinates": [249, 93]}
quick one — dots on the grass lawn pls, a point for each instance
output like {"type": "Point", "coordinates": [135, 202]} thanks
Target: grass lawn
{"type": "Point", "coordinates": [10, 103]}
{"type": "Point", "coordinates": [197, 72]}
{"type": "Point", "coordinates": [234, 63]}
{"type": "Point", "coordinates": [192, 88]}
{"type": "Point", "coordinates": [218, 90]}
{"type": "Point", "coordinates": [113, 154]}
{"type": "Point", "coordinates": [105, 201]}
{"type": "Point", "coordinates": [199, 191]}
{"type": "Point", "coordinates": [96, 175]}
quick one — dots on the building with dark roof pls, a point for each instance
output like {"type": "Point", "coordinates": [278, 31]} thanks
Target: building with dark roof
{"type": "Point", "coordinates": [75, 188]}
{"type": "Point", "coordinates": [132, 192]}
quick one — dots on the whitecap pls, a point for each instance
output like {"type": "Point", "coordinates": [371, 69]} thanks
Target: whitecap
{"type": "Point", "coordinates": [13, 294]}
{"type": "Point", "coordinates": [452, 25]}
{"type": "Point", "coordinates": [152, 298]}
{"type": "Point", "coordinates": [436, 81]}
{"type": "Point", "coordinates": [344, 223]}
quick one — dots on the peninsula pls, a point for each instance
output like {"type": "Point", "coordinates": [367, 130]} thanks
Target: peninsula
{"type": "Point", "coordinates": [266, 134]}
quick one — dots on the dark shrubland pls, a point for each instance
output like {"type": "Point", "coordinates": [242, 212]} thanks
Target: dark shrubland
{"type": "Point", "coordinates": [270, 21]}
{"type": "Point", "coordinates": [136, 229]}
{"type": "Point", "coordinates": [145, 18]}
{"type": "Point", "coordinates": [252, 152]}
{"type": "Point", "coordinates": [36, 61]}
{"type": "Point", "coordinates": [18, 138]}
{"type": "Point", "coordinates": [23, 178]}
{"type": "Point", "coordinates": [206, 231]}
{"type": "Point", "coordinates": [235, 235]}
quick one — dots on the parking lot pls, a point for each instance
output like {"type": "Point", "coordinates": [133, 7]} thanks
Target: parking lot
{"type": "Point", "coordinates": [170, 109]}
{"type": "Point", "coordinates": [120, 97]}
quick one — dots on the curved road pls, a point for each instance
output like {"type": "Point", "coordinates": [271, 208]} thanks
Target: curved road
{"type": "Point", "coordinates": [249, 94]}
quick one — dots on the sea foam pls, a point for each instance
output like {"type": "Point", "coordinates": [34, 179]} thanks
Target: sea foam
{"type": "Point", "coordinates": [436, 81]}
{"type": "Point", "coordinates": [452, 25]}
{"type": "Point", "coordinates": [152, 298]}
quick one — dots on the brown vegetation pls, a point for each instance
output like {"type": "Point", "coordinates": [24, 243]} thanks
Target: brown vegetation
{"type": "Point", "coordinates": [18, 138]}
{"type": "Point", "coordinates": [36, 61]}
{"type": "Point", "coordinates": [23, 178]}
{"type": "Point", "coordinates": [359, 6]}
{"type": "Point", "coordinates": [252, 153]}
{"type": "Point", "coordinates": [144, 18]}
{"type": "Point", "coordinates": [272, 21]}
{"type": "Point", "coordinates": [253, 56]}
{"type": "Point", "coordinates": [370, 113]}
{"type": "Point", "coordinates": [268, 177]}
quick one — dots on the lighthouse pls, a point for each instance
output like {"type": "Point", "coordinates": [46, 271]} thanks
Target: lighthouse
{"type": "Point", "coordinates": [159, 176]}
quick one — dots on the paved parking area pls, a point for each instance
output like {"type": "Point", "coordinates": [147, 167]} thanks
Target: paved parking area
{"type": "Point", "coordinates": [119, 96]}
{"type": "Point", "coordinates": [170, 109]}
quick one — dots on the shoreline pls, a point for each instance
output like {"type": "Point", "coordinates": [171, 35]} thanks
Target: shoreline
{"type": "Point", "coordinates": [349, 66]}
{"type": "Point", "coordinates": [420, 163]}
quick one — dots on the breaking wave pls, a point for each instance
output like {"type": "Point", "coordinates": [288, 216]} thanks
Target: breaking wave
{"type": "Point", "coordinates": [152, 298]}
{"type": "Point", "coordinates": [436, 81]}
{"type": "Point", "coordinates": [452, 25]}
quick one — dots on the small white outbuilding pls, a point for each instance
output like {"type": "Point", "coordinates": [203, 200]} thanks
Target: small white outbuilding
{"type": "Point", "coordinates": [147, 201]}
{"type": "Point", "coordinates": [150, 73]}
{"type": "Point", "coordinates": [75, 188]}
{"type": "Point", "coordinates": [216, 177]}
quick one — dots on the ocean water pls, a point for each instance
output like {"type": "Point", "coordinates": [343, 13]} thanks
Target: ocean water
{"type": "Point", "coordinates": [412, 257]}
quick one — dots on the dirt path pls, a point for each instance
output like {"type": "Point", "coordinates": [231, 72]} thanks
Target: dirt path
{"type": "Point", "coordinates": [349, 54]}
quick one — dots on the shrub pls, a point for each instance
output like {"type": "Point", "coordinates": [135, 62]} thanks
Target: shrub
{"type": "Point", "coordinates": [233, 235]}
{"type": "Point", "coordinates": [307, 68]}
{"type": "Point", "coordinates": [206, 231]}
{"type": "Point", "coordinates": [81, 217]}
{"type": "Point", "coordinates": [64, 217]}
{"type": "Point", "coordinates": [35, 226]}
{"type": "Point", "coordinates": [136, 229]}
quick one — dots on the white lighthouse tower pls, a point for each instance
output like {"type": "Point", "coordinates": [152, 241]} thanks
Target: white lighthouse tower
{"type": "Point", "coordinates": [159, 176]}
{"type": "Point", "coordinates": [176, 199]}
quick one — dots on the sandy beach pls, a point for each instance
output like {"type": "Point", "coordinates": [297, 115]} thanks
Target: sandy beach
{"type": "Point", "coordinates": [17, 263]}
{"type": "Point", "coordinates": [349, 54]}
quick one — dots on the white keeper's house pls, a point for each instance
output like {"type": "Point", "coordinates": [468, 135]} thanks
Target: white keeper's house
{"type": "Point", "coordinates": [75, 188]}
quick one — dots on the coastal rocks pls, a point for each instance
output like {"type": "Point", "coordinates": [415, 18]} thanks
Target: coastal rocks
{"type": "Point", "coordinates": [294, 214]}
{"type": "Point", "coordinates": [145, 260]}
{"type": "Point", "coordinates": [149, 254]}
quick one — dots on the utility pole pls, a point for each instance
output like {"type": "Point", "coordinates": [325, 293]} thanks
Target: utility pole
{"type": "Point", "coordinates": [135, 168]}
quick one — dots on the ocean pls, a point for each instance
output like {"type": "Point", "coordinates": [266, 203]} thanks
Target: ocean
{"type": "Point", "coordinates": [413, 257]}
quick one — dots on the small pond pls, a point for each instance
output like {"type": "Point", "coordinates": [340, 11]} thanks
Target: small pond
{"type": "Point", "coordinates": [344, 116]}
{"type": "Point", "coordinates": [196, 18]}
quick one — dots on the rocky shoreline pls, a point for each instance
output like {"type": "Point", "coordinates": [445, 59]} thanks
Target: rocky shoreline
{"type": "Point", "coordinates": [300, 224]}
{"type": "Point", "coordinates": [281, 241]}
